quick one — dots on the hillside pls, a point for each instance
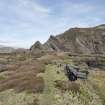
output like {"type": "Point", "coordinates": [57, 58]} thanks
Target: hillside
{"type": "Point", "coordinates": [36, 76]}
{"type": "Point", "coordinates": [76, 40]}
{"type": "Point", "coordinates": [30, 80]}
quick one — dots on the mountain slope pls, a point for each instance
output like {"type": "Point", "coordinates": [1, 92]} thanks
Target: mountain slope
{"type": "Point", "coordinates": [77, 40]}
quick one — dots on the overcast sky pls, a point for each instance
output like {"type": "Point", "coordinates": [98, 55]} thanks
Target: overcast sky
{"type": "Point", "coordinates": [22, 22]}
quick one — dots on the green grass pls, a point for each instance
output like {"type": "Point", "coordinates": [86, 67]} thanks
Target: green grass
{"type": "Point", "coordinates": [2, 77]}
{"type": "Point", "coordinates": [9, 97]}
{"type": "Point", "coordinates": [50, 92]}
{"type": "Point", "coordinates": [92, 91]}
{"type": "Point", "coordinates": [98, 83]}
{"type": "Point", "coordinates": [53, 96]}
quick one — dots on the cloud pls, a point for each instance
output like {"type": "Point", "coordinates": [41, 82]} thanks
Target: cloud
{"type": "Point", "coordinates": [25, 21]}
{"type": "Point", "coordinates": [5, 42]}
{"type": "Point", "coordinates": [33, 5]}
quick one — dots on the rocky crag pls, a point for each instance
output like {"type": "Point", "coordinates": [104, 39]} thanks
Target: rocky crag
{"type": "Point", "coordinates": [75, 40]}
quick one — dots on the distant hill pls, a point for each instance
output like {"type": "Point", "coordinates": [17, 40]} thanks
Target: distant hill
{"type": "Point", "coordinates": [4, 49]}
{"type": "Point", "coordinates": [76, 40]}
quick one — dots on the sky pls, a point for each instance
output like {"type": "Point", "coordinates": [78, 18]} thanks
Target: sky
{"type": "Point", "coordinates": [23, 22]}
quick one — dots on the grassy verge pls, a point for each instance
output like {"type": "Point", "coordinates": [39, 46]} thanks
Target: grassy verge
{"type": "Point", "coordinates": [9, 97]}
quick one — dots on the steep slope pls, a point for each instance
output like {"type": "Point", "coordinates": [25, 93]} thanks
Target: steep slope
{"type": "Point", "coordinates": [77, 40]}
{"type": "Point", "coordinates": [36, 48]}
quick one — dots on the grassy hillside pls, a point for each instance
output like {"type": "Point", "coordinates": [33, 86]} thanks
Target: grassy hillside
{"type": "Point", "coordinates": [89, 92]}
{"type": "Point", "coordinates": [41, 81]}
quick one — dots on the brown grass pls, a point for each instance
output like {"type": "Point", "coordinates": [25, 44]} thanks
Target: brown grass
{"type": "Point", "coordinates": [67, 85]}
{"type": "Point", "coordinates": [24, 77]}
{"type": "Point", "coordinates": [26, 83]}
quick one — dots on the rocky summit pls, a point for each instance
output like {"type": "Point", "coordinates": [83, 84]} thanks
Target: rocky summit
{"type": "Point", "coordinates": [76, 40]}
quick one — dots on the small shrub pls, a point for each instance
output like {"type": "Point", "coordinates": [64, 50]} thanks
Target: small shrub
{"type": "Point", "coordinates": [66, 85]}
{"type": "Point", "coordinates": [35, 102]}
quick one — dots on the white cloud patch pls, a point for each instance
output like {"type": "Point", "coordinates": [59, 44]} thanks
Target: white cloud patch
{"type": "Point", "coordinates": [34, 6]}
{"type": "Point", "coordinates": [25, 21]}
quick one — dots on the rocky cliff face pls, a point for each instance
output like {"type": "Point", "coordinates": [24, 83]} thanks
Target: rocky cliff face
{"type": "Point", "coordinates": [35, 48]}
{"type": "Point", "coordinates": [76, 40]}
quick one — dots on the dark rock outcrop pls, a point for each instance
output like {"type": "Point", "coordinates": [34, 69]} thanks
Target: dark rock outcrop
{"type": "Point", "coordinates": [36, 47]}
